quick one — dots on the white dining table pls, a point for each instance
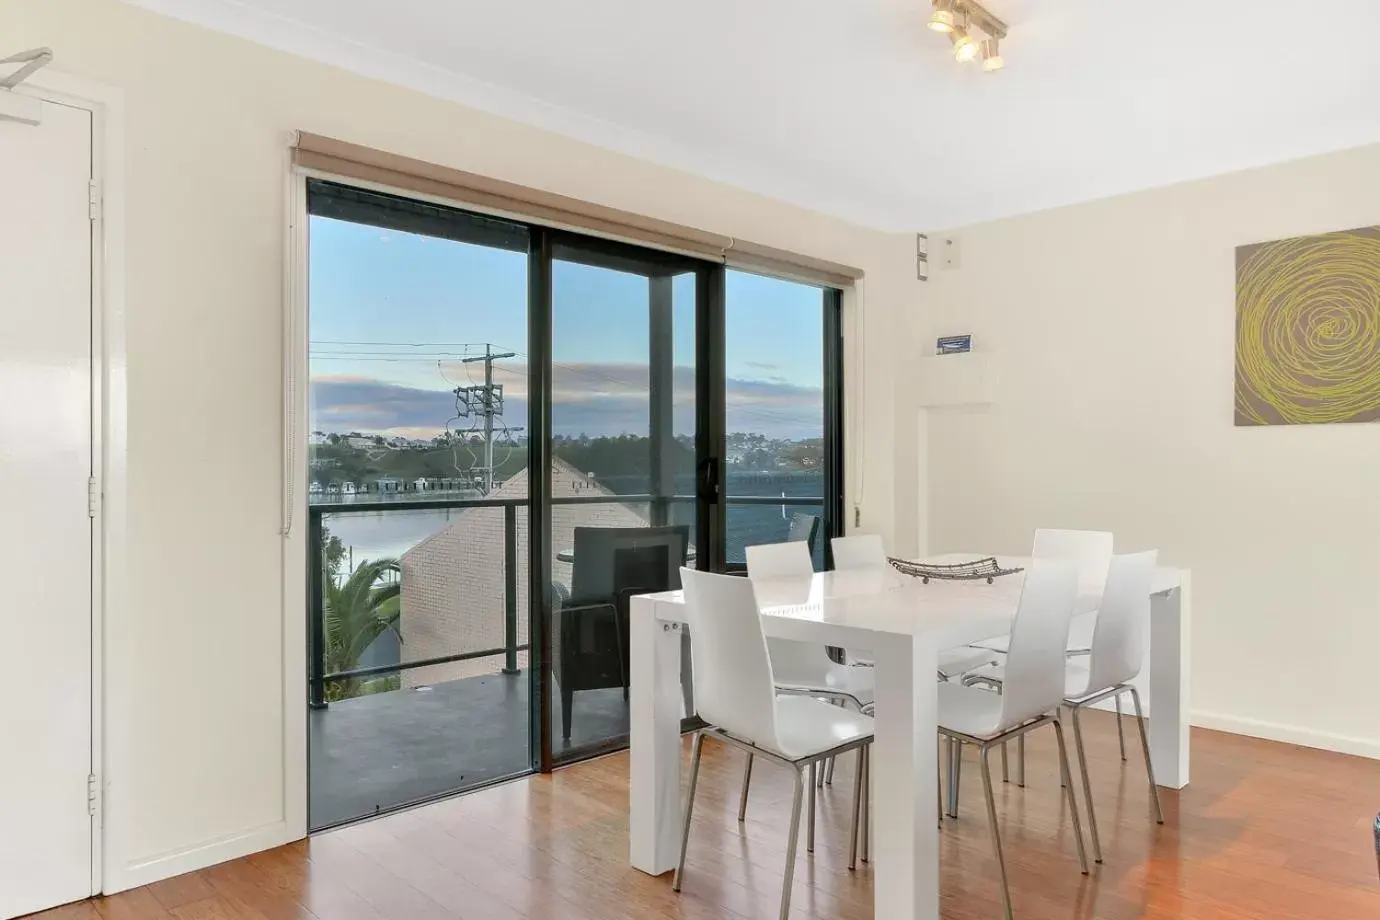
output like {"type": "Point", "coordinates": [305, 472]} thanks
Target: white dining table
{"type": "Point", "coordinates": [904, 624]}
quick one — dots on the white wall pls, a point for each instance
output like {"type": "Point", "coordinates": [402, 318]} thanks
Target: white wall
{"type": "Point", "coordinates": [1110, 329]}
{"type": "Point", "coordinates": [203, 765]}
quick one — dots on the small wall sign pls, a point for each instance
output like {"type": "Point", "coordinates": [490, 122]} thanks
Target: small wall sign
{"type": "Point", "coordinates": [953, 344]}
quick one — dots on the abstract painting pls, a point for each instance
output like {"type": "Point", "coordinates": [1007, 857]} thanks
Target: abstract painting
{"type": "Point", "coordinates": [1308, 329]}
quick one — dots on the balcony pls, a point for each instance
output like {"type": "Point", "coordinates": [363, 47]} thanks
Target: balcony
{"type": "Point", "coordinates": [419, 682]}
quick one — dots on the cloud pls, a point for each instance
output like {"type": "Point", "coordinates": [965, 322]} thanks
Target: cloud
{"type": "Point", "coordinates": [587, 398]}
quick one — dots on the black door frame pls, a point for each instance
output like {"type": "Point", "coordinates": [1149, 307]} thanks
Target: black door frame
{"type": "Point", "coordinates": [543, 246]}
{"type": "Point", "coordinates": [658, 267]}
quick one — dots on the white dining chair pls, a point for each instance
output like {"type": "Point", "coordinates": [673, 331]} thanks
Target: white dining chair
{"type": "Point", "coordinates": [1114, 661]}
{"type": "Point", "coordinates": [736, 696]}
{"type": "Point", "coordinates": [859, 552]}
{"type": "Point", "coordinates": [1091, 551]}
{"type": "Point", "coordinates": [1035, 666]}
{"type": "Point", "coordinates": [802, 667]}
{"type": "Point", "coordinates": [865, 552]}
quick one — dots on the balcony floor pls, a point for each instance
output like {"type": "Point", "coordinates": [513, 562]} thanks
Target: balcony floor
{"type": "Point", "coordinates": [377, 752]}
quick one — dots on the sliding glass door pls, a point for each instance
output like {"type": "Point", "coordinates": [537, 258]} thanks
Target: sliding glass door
{"type": "Point", "coordinates": [623, 511]}
{"type": "Point", "coordinates": [515, 429]}
{"type": "Point", "coordinates": [417, 502]}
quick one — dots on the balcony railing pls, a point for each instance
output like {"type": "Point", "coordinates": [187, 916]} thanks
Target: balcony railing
{"type": "Point", "coordinates": [657, 511]}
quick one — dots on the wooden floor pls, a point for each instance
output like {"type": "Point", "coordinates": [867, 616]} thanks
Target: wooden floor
{"type": "Point", "coordinates": [1265, 832]}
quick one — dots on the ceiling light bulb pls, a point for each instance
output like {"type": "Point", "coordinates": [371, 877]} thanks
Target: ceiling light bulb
{"type": "Point", "coordinates": [942, 19]}
{"type": "Point", "coordinates": [965, 48]}
{"type": "Point", "coordinates": [991, 56]}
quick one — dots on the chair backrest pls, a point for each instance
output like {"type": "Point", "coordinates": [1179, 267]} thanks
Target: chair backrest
{"type": "Point", "coordinates": [780, 560]}
{"type": "Point", "coordinates": [1034, 681]}
{"type": "Point", "coordinates": [864, 551]}
{"type": "Point", "coordinates": [795, 663]}
{"type": "Point", "coordinates": [1091, 550]}
{"type": "Point", "coordinates": [1118, 644]}
{"type": "Point", "coordinates": [804, 527]}
{"type": "Point", "coordinates": [734, 688]}
{"type": "Point", "coordinates": [609, 560]}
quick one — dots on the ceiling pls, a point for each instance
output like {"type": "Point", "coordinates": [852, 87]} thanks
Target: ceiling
{"type": "Point", "coordinates": [855, 108]}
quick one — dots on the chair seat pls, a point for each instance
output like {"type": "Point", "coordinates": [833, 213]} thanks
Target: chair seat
{"type": "Point", "coordinates": [807, 727]}
{"type": "Point", "coordinates": [956, 661]}
{"type": "Point", "coordinates": [856, 681]}
{"type": "Point", "coordinates": [1076, 677]}
{"type": "Point", "coordinates": [1080, 636]}
{"type": "Point", "coordinates": [952, 662]}
{"type": "Point", "coordinates": [969, 710]}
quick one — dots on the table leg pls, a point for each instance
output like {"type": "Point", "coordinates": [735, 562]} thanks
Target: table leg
{"type": "Point", "coordinates": [655, 710]}
{"type": "Point", "coordinates": [904, 770]}
{"type": "Point", "coordinates": [1169, 668]}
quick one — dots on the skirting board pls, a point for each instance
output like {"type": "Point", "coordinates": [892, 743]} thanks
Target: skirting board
{"type": "Point", "coordinates": [199, 856]}
{"type": "Point", "coordinates": [1289, 734]}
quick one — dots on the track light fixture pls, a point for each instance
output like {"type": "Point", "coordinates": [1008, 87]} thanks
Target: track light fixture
{"type": "Point", "coordinates": [965, 46]}
{"type": "Point", "coordinates": [959, 19]}
{"type": "Point", "coordinates": [943, 19]}
{"type": "Point", "coordinates": [991, 55]}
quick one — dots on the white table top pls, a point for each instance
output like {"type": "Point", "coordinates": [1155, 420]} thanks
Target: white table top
{"type": "Point", "coordinates": [861, 608]}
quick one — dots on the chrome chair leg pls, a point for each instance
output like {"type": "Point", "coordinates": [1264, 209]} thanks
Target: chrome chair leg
{"type": "Point", "coordinates": [1005, 767]}
{"type": "Point", "coordinates": [1120, 732]}
{"type": "Point", "coordinates": [742, 798]}
{"type": "Point", "coordinates": [689, 807]}
{"type": "Point", "coordinates": [810, 825]}
{"type": "Point", "coordinates": [955, 775]}
{"type": "Point", "coordinates": [1145, 746]}
{"type": "Point", "coordinates": [829, 772]}
{"type": "Point", "coordinates": [1087, 783]}
{"type": "Point", "coordinates": [857, 813]}
{"type": "Point", "coordinates": [1020, 761]}
{"type": "Point", "coordinates": [939, 786]}
{"type": "Point", "coordinates": [1073, 802]}
{"type": "Point", "coordinates": [996, 831]}
{"type": "Point", "coordinates": [865, 824]}
{"type": "Point", "coordinates": [792, 843]}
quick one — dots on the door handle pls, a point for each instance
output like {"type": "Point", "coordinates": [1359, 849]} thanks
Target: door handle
{"type": "Point", "coordinates": [708, 475]}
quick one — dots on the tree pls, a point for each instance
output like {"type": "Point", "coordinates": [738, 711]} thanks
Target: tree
{"type": "Point", "coordinates": [358, 610]}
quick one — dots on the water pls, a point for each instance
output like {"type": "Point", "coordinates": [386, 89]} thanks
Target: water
{"type": "Point", "coordinates": [390, 533]}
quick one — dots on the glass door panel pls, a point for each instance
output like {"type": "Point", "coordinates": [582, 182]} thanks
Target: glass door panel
{"type": "Point", "coordinates": [623, 515]}
{"type": "Point", "coordinates": [775, 398]}
{"type": "Point", "coordinates": [417, 502]}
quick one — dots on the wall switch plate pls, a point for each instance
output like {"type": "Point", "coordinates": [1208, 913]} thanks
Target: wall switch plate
{"type": "Point", "coordinates": [950, 255]}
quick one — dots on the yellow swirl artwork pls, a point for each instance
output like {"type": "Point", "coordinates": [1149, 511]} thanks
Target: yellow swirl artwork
{"type": "Point", "coordinates": [1308, 330]}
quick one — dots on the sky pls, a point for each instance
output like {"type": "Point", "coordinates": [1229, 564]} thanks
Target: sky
{"type": "Point", "coordinates": [393, 315]}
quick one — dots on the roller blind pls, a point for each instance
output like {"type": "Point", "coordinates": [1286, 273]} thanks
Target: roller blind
{"type": "Point", "coordinates": [352, 161]}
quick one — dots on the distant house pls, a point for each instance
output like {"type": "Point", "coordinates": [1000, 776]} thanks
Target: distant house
{"type": "Point", "coordinates": [453, 582]}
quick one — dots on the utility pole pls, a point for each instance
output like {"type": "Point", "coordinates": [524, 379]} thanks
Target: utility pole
{"type": "Point", "coordinates": [485, 400]}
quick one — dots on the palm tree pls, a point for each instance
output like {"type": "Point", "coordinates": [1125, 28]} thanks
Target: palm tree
{"type": "Point", "coordinates": [359, 610]}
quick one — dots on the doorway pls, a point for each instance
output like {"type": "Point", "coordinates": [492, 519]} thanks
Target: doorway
{"type": "Point", "coordinates": [47, 468]}
{"type": "Point", "coordinates": [513, 429]}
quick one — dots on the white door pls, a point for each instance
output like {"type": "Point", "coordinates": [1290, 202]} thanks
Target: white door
{"type": "Point", "coordinates": [45, 526]}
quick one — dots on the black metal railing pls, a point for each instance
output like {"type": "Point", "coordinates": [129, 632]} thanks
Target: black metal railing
{"type": "Point", "coordinates": [318, 678]}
